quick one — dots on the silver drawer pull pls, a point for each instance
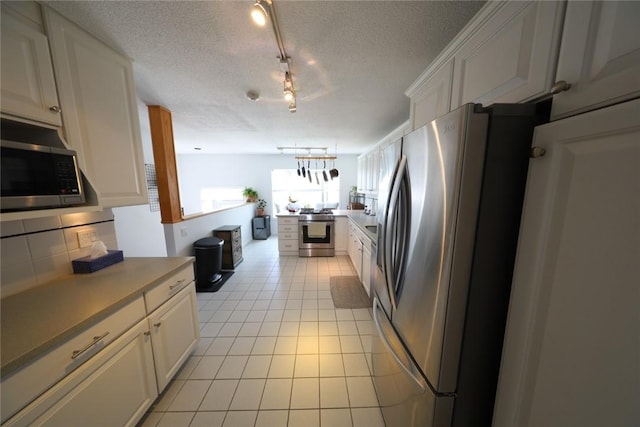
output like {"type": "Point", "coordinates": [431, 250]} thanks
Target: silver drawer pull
{"type": "Point", "coordinates": [95, 341]}
{"type": "Point", "coordinates": [157, 325]}
{"type": "Point", "coordinates": [177, 284]}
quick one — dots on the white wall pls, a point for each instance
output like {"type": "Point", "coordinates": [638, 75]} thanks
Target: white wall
{"type": "Point", "coordinates": [139, 231]}
{"type": "Point", "coordinates": [36, 251]}
{"type": "Point", "coordinates": [247, 170]}
{"type": "Point", "coordinates": [181, 236]}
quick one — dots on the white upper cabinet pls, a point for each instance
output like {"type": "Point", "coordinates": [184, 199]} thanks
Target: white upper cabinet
{"type": "Point", "coordinates": [28, 87]}
{"type": "Point", "coordinates": [511, 54]}
{"type": "Point", "coordinates": [431, 96]}
{"type": "Point", "coordinates": [100, 115]}
{"type": "Point", "coordinates": [599, 56]}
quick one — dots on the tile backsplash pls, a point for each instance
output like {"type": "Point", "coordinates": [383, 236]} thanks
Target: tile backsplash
{"type": "Point", "coordinates": [35, 251]}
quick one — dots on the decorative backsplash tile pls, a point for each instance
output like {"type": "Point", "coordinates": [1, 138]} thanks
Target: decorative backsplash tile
{"type": "Point", "coordinates": [36, 251]}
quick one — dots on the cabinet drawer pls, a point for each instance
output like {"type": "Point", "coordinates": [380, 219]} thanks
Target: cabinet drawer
{"type": "Point", "coordinates": [287, 236]}
{"type": "Point", "coordinates": [288, 221]}
{"type": "Point", "coordinates": [161, 293]}
{"type": "Point", "coordinates": [28, 383]}
{"type": "Point", "coordinates": [235, 234]}
{"type": "Point", "coordinates": [288, 228]}
{"type": "Point", "coordinates": [288, 245]}
{"type": "Point", "coordinates": [237, 254]}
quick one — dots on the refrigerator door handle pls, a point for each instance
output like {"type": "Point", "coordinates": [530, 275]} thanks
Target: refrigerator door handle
{"type": "Point", "coordinates": [389, 227]}
{"type": "Point", "coordinates": [416, 379]}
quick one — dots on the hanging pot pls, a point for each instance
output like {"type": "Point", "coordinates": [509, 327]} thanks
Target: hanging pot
{"type": "Point", "coordinates": [324, 171]}
{"type": "Point", "coordinates": [334, 173]}
{"type": "Point", "coordinates": [299, 168]}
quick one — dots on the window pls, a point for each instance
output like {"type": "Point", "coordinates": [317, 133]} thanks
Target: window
{"type": "Point", "coordinates": [286, 183]}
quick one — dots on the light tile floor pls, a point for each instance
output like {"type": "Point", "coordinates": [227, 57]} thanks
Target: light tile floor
{"type": "Point", "coordinates": [274, 351]}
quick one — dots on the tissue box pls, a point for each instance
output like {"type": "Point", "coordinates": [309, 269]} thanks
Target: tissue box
{"type": "Point", "coordinates": [88, 265]}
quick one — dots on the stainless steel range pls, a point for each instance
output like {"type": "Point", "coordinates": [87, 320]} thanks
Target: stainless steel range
{"type": "Point", "coordinates": [316, 233]}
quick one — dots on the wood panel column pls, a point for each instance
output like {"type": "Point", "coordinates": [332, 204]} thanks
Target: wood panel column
{"type": "Point", "coordinates": [164, 156]}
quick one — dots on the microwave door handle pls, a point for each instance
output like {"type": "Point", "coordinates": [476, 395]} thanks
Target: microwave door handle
{"type": "Point", "coordinates": [416, 380]}
{"type": "Point", "coordinates": [390, 251]}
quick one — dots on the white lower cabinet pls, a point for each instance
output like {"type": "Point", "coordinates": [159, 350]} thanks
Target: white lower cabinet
{"type": "Point", "coordinates": [354, 247]}
{"type": "Point", "coordinates": [114, 388]}
{"type": "Point", "coordinates": [341, 235]}
{"type": "Point", "coordinates": [366, 267]}
{"type": "Point", "coordinates": [573, 319]}
{"type": "Point", "coordinates": [175, 332]}
{"type": "Point", "coordinates": [112, 381]}
{"type": "Point", "coordinates": [288, 235]}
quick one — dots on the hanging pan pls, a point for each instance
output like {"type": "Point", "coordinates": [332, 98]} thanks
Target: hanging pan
{"type": "Point", "coordinates": [299, 173]}
{"type": "Point", "coordinates": [304, 173]}
{"type": "Point", "coordinates": [324, 171]}
{"type": "Point", "coordinates": [333, 172]}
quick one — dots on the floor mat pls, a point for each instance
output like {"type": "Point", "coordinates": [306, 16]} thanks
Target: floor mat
{"type": "Point", "coordinates": [347, 292]}
{"type": "Point", "coordinates": [216, 286]}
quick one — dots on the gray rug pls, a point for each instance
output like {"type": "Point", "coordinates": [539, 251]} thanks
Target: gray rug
{"type": "Point", "coordinates": [347, 292]}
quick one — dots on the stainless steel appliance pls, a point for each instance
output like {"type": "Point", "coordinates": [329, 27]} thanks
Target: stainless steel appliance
{"type": "Point", "coordinates": [38, 176]}
{"type": "Point", "coordinates": [449, 211]}
{"type": "Point", "coordinates": [316, 233]}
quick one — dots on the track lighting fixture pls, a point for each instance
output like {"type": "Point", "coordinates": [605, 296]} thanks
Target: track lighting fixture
{"type": "Point", "coordinates": [289, 94]}
{"type": "Point", "coordinates": [259, 12]}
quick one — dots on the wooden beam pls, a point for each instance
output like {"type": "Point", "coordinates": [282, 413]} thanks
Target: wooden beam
{"type": "Point", "coordinates": [164, 156]}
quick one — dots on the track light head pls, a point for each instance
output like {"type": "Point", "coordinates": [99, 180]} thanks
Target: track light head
{"type": "Point", "coordinates": [259, 13]}
{"type": "Point", "coordinates": [292, 107]}
{"type": "Point", "coordinates": [288, 94]}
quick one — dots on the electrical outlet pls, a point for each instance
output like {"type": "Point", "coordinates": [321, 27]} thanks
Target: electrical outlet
{"type": "Point", "coordinates": [184, 232]}
{"type": "Point", "coordinates": [86, 238]}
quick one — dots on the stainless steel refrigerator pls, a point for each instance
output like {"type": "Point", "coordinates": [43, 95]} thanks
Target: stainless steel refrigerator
{"type": "Point", "coordinates": [449, 206]}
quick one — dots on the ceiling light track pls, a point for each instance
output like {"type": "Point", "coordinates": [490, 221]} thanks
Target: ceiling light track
{"type": "Point", "coordinates": [259, 12]}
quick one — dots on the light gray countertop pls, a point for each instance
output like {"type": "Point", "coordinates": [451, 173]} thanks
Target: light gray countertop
{"type": "Point", "coordinates": [357, 216]}
{"type": "Point", "coordinates": [36, 320]}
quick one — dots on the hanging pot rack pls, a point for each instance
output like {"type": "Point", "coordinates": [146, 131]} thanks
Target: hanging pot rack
{"type": "Point", "coordinates": [309, 155]}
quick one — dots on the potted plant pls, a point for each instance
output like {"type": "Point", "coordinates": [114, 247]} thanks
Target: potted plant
{"type": "Point", "coordinates": [260, 208]}
{"type": "Point", "coordinates": [250, 194]}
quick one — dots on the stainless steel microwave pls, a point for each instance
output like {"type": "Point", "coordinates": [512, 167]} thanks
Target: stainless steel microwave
{"type": "Point", "coordinates": [38, 177]}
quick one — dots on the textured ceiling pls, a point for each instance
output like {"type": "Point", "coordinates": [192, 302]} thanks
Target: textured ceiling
{"type": "Point", "coordinates": [351, 63]}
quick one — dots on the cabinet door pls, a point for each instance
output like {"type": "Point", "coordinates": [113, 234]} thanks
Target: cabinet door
{"type": "Point", "coordinates": [115, 388]}
{"type": "Point", "coordinates": [175, 331]}
{"type": "Point", "coordinates": [573, 317]}
{"type": "Point", "coordinates": [100, 113]}
{"type": "Point", "coordinates": [432, 98]}
{"type": "Point", "coordinates": [28, 88]}
{"type": "Point", "coordinates": [366, 267]}
{"type": "Point", "coordinates": [341, 234]}
{"type": "Point", "coordinates": [511, 57]}
{"type": "Point", "coordinates": [599, 56]}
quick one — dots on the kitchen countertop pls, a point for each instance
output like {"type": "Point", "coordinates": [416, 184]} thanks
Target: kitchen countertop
{"type": "Point", "coordinates": [357, 216]}
{"type": "Point", "coordinates": [38, 319]}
